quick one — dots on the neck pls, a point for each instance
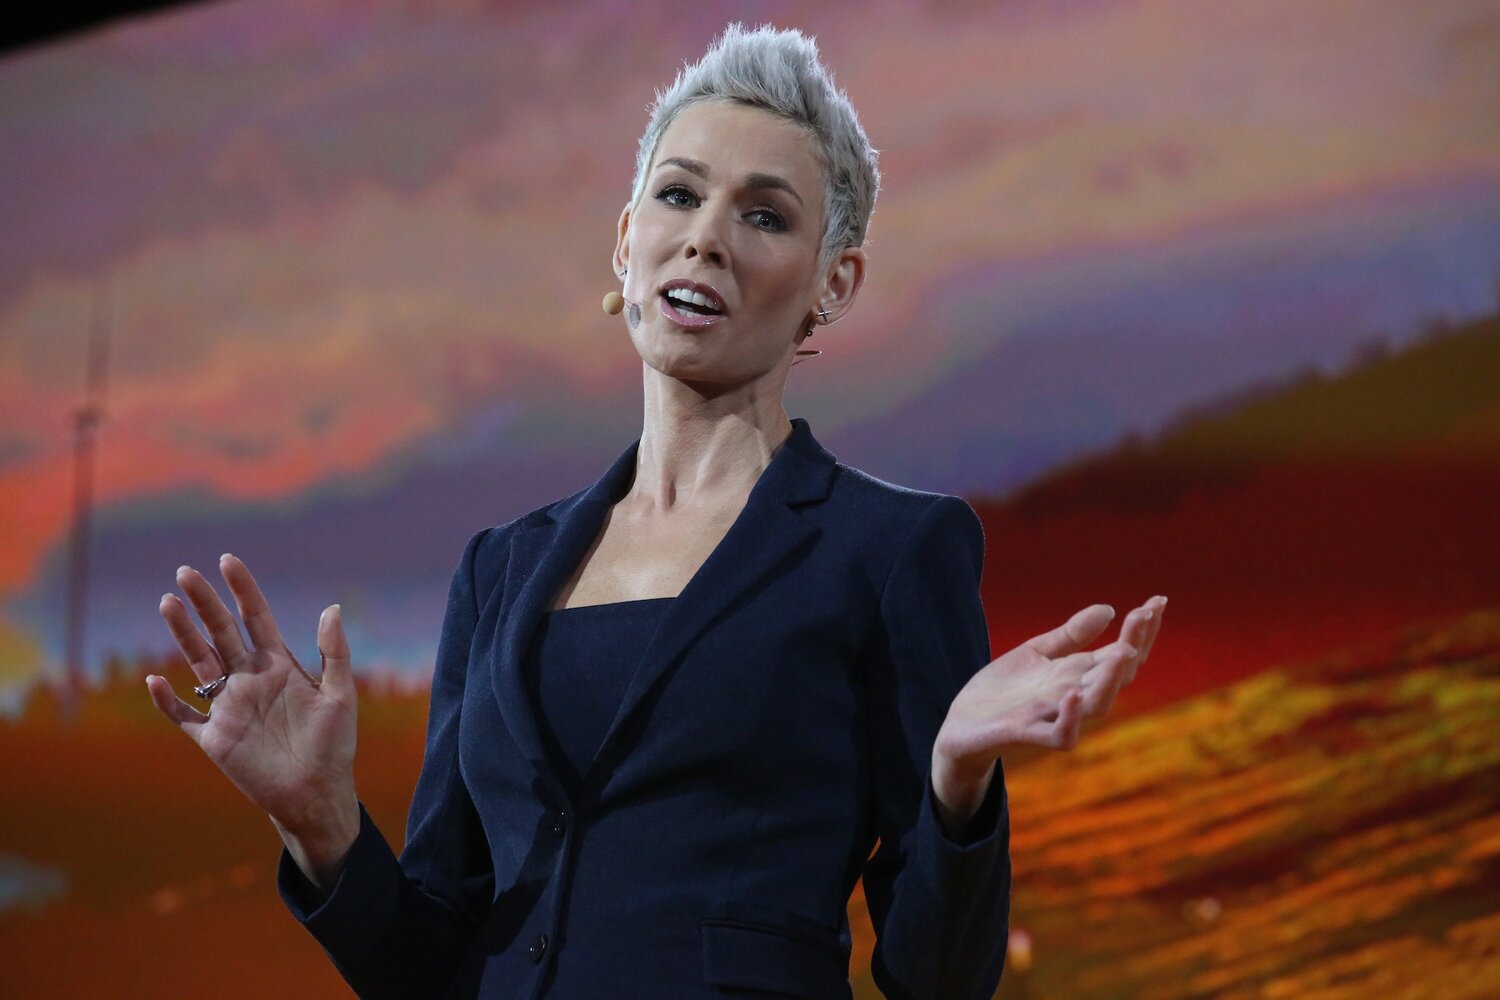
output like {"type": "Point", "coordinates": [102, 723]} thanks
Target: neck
{"type": "Point", "coordinates": [700, 450]}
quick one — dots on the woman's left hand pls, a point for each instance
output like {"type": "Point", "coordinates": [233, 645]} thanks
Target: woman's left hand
{"type": "Point", "coordinates": [1037, 693]}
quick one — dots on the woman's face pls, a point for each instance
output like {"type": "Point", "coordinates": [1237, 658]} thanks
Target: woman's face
{"type": "Point", "coordinates": [732, 216]}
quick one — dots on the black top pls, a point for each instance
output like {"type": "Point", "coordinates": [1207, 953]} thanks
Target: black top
{"type": "Point", "coordinates": [577, 668]}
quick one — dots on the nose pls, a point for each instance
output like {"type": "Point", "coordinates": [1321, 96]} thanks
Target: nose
{"type": "Point", "coordinates": [706, 240]}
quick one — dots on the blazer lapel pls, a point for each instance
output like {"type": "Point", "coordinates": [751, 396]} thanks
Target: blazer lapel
{"type": "Point", "coordinates": [542, 557]}
{"type": "Point", "coordinates": [767, 531]}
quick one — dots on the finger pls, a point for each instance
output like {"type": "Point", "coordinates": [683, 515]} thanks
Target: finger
{"type": "Point", "coordinates": [1073, 668]}
{"type": "Point", "coordinates": [1070, 721]}
{"type": "Point", "coordinates": [1100, 707]}
{"type": "Point", "coordinates": [1138, 640]}
{"type": "Point", "coordinates": [1074, 634]}
{"type": "Point", "coordinates": [201, 657]}
{"type": "Point", "coordinates": [1142, 631]}
{"type": "Point", "coordinates": [188, 719]}
{"type": "Point", "coordinates": [255, 612]}
{"type": "Point", "coordinates": [1131, 668]}
{"type": "Point", "coordinates": [1061, 731]}
{"type": "Point", "coordinates": [1137, 626]}
{"type": "Point", "coordinates": [1104, 683]}
{"type": "Point", "coordinates": [333, 645]}
{"type": "Point", "coordinates": [222, 630]}
{"type": "Point", "coordinates": [1034, 722]}
{"type": "Point", "coordinates": [1160, 605]}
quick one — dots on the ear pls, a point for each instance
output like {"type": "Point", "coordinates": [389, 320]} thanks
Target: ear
{"type": "Point", "coordinates": [622, 240]}
{"type": "Point", "coordinates": [846, 273]}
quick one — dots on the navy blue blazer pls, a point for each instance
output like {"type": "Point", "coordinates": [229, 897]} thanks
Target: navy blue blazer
{"type": "Point", "coordinates": [781, 720]}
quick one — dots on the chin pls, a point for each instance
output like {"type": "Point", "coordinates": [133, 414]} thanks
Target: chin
{"type": "Point", "coordinates": [691, 369]}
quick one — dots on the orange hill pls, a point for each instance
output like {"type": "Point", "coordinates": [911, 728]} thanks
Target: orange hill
{"type": "Point", "coordinates": [1325, 832]}
{"type": "Point", "coordinates": [1329, 830]}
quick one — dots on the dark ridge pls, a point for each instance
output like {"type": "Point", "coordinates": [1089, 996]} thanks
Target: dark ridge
{"type": "Point", "coordinates": [1384, 402]}
{"type": "Point", "coordinates": [43, 23]}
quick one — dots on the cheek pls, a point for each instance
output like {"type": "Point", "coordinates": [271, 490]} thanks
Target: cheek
{"type": "Point", "coordinates": [648, 233]}
{"type": "Point", "coordinates": [776, 265]}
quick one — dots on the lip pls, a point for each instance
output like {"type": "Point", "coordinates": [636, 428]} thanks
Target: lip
{"type": "Point", "coordinates": [691, 320]}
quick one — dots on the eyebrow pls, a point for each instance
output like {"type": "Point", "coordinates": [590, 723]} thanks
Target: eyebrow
{"type": "Point", "coordinates": [753, 181]}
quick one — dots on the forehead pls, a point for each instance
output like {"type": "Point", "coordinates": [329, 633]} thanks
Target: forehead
{"type": "Point", "coordinates": [735, 140]}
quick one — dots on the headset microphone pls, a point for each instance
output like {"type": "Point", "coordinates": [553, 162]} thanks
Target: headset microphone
{"type": "Point", "coordinates": [615, 303]}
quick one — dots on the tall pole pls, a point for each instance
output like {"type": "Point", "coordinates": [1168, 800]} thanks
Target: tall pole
{"type": "Point", "coordinates": [86, 421]}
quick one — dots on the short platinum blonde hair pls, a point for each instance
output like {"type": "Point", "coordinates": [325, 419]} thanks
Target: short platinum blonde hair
{"type": "Point", "coordinates": [779, 72]}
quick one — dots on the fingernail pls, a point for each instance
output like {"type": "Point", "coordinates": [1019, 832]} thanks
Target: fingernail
{"type": "Point", "coordinates": [1162, 599]}
{"type": "Point", "coordinates": [184, 568]}
{"type": "Point", "coordinates": [1110, 610]}
{"type": "Point", "coordinates": [225, 556]}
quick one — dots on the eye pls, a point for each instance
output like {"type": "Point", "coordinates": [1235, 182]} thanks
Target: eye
{"type": "Point", "coordinates": [768, 219]}
{"type": "Point", "coordinates": [677, 196]}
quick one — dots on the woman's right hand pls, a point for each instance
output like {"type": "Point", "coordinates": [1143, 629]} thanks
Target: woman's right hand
{"type": "Point", "coordinates": [284, 738]}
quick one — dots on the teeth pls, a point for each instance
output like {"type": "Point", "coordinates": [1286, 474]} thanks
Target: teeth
{"type": "Point", "coordinates": [691, 297]}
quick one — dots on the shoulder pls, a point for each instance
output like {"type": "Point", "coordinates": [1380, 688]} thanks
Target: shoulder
{"type": "Point", "coordinates": [926, 567]}
{"type": "Point", "coordinates": [897, 534]}
{"type": "Point", "coordinates": [488, 549]}
{"type": "Point", "coordinates": [900, 514]}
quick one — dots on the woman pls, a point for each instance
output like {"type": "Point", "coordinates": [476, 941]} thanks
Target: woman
{"type": "Point", "coordinates": [672, 714]}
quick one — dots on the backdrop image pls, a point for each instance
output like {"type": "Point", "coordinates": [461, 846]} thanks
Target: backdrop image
{"type": "Point", "coordinates": [1183, 299]}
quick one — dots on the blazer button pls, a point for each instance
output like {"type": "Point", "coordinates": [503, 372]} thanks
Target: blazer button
{"type": "Point", "coordinates": [538, 949]}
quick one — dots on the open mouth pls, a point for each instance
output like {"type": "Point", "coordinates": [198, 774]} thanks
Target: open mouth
{"type": "Point", "coordinates": [691, 303]}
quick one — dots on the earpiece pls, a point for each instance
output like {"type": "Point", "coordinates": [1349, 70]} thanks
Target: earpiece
{"type": "Point", "coordinates": [614, 302]}
{"type": "Point", "coordinates": [812, 323]}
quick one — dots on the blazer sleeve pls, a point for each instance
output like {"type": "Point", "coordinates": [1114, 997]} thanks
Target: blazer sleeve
{"type": "Point", "coordinates": [401, 928]}
{"type": "Point", "coordinates": [940, 908]}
